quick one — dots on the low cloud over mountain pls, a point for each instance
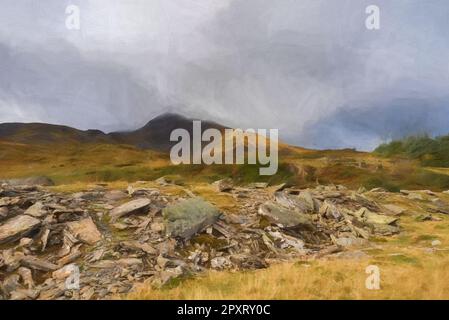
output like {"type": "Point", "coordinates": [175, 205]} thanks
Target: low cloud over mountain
{"type": "Point", "coordinates": [309, 68]}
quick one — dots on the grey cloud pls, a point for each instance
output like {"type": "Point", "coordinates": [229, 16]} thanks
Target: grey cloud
{"type": "Point", "coordinates": [309, 68]}
{"type": "Point", "coordinates": [62, 86]}
{"type": "Point", "coordinates": [353, 126]}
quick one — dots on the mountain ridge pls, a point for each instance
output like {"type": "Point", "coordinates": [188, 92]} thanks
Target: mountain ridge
{"type": "Point", "coordinates": [154, 135]}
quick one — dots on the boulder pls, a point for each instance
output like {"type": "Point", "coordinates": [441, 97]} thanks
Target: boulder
{"type": "Point", "coordinates": [131, 207]}
{"type": "Point", "coordinates": [189, 217]}
{"type": "Point", "coordinates": [85, 230]}
{"type": "Point", "coordinates": [280, 215]}
{"type": "Point", "coordinates": [17, 227]}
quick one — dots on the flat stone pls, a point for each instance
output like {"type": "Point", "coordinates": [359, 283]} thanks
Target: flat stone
{"type": "Point", "coordinates": [38, 264]}
{"type": "Point", "coordinates": [17, 227]}
{"type": "Point", "coordinates": [415, 196]}
{"type": "Point", "coordinates": [37, 210]}
{"type": "Point", "coordinates": [293, 202]}
{"type": "Point", "coordinates": [367, 216]}
{"type": "Point", "coordinates": [85, 230]}
{"type": "Point", "coordinates": [115, 195]}
{"type": "Point", "coordinates": [223, 185]}
{"type": "Point", "coordinates": [131, 207]}
{"type": "Point", "coordinates": [136, 246]}
{"type": "Point", "coordinates": [189, 217]}
{"type": "Point", "coordinates": [394, 209]}
{"type": "Point", "coordinates": [280, 215]}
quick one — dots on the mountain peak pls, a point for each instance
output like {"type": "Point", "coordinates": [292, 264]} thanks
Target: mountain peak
{"type": "Point", "coordinates": [166, 117]}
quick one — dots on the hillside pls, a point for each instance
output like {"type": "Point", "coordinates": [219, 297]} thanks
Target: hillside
{"type": "Point", "coordinates": [69, 155]}
{"type": "Point", "coordinates": [433, 152]}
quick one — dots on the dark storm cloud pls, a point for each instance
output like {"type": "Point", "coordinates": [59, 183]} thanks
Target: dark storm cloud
{"type": "Point", "coordinates": [352, 126]}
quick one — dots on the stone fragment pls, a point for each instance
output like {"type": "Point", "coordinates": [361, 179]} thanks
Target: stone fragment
{"type": "Point", "coordinates": [37, 210]}
{"type": "Point", "coordinates": [38, 264]}
{"type": "Point", "coordinates": [85, 230]}
{"type": "Point", "coordinates": [131, 207]}
{"type": "Point", "coordinates": [17, 227]}
{"type": "Point", "coordinates": [280, 215]}
{"type": "Point", "coordinates": [223, 185]}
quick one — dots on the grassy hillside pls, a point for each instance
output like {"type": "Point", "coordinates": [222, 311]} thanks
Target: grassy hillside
{"type": "Point", "coordinates": [432, 152]}
{"type": "Point", "coordinates": [81, 162]}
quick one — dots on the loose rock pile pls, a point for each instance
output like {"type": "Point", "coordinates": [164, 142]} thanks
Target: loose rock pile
{"type": "Point", "coordinates": [116, 239]}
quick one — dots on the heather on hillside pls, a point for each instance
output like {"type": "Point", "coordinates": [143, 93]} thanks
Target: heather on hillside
{"type": "Point", "coordinates": [429, 151]}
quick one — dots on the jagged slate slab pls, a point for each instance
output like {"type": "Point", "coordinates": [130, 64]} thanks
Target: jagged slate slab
{"type": "Point", "coordinates": [37, 210]}
{"type": "Point", "coordinates": [134, 206]}
{"type": "Point", "coordinates": [17, 227]}
{"type": "Point", "coordinates": [292, 202]}
{"type": "Point", "coordinates": [38, 264]}
{"type": "Point", "coordinates": [280, 215]}
{"type": "Point", "coordinates": [189, 217]}
{"type": "Point", "coordinates": [85, 230]}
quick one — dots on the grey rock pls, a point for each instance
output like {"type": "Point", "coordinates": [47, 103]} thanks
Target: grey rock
{"type": "Point", "coordinates": [38, 264]}
{"type": "Point", "coordinates": [85, 230]}
{"type": "Point", "coordinates": [394, 209]}
{"type": "Point", "coordinates": [280, 215]}
{"type": "Point", "coordinates": [293, 202]}
{"type": "Point", "coordinates": [223, 185]}
{"type": "Point", "coordinates": [350, 242]}
{"type": "Point", "coordinates": [189, 217]}
{"type": "Point", "coordinates": [37, 210]}
{"type": "Point", "coordinates": [17, 227]}
{"type": "Point", "coordinates": [131, 207]}
{"type": "Point", "coordinates": [220, 263]}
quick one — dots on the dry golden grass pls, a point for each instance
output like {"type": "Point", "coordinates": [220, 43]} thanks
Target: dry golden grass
{"type": "Point", "coordinates": [335, 279]}
{"type": "Point", "coordinates": [410, 269]}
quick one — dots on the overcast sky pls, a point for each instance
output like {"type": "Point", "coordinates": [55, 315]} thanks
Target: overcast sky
{"type": "Point", "coordinates": [307, 67]}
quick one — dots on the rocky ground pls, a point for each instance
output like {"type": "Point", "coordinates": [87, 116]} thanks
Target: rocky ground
{"type": "Point", "coordinates": [116, 239]}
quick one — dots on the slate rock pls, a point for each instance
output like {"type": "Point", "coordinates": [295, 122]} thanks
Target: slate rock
{"type": "Point", "coordinates": [189, 217]}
